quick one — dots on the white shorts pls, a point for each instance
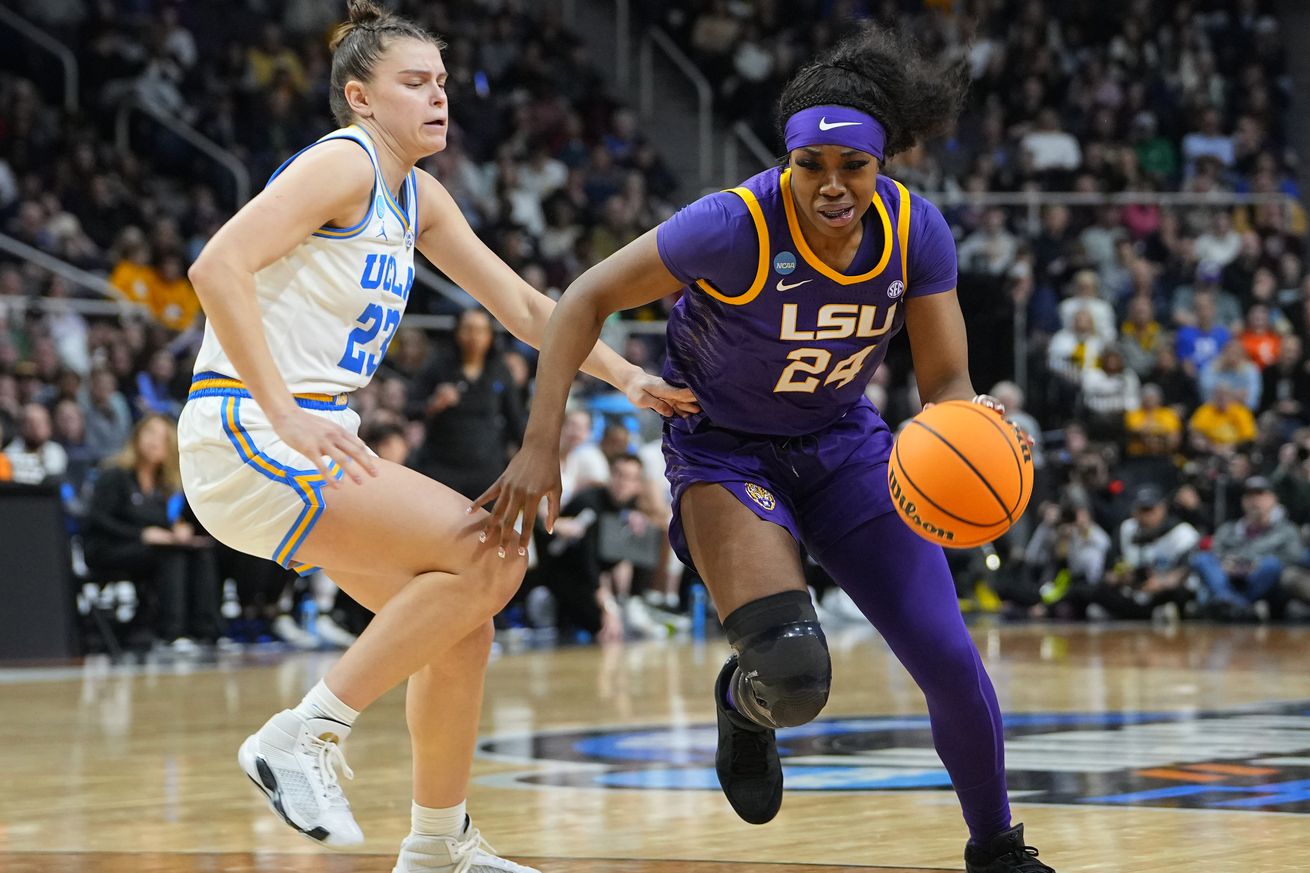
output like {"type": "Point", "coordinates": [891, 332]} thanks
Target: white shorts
{"type": "Point", "coordinates": [250, 490]}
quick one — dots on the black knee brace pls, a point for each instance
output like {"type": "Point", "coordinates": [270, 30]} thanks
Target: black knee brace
{"type": "Point", "coordinates": [783, 669]}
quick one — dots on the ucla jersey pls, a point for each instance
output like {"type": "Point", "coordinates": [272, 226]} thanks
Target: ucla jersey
{"type": "Point", "coordinates": [331, 306]}
{"type": "Point", "coordinates": [770, 338]}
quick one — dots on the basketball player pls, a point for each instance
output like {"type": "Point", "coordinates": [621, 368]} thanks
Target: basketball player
{"type": "Point", "coordinates": [304, 289]}
{"type": "Point", "coordinates": [793, 284]}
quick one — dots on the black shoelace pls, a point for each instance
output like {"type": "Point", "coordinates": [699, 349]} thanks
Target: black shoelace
{"type": "Point", "coordinates": [1028, 863]}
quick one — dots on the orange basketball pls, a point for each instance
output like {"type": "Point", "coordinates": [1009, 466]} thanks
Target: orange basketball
{"type": "Point", "coordinates": [960, 475]}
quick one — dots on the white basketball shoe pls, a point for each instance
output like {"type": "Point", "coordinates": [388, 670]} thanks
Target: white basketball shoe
{"type": "Point", "coordinates": [467, 853]}
{"type": "Point", "coordinates": [294, 762]}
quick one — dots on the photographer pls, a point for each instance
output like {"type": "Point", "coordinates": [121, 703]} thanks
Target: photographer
{"type": "Point", "coordinates": [601, 540]}
{"type": "Point", "coordinates": [1151, 570]}
{"type": "Point", "coordinates": [1067, 553]}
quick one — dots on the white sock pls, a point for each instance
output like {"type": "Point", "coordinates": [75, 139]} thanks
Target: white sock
{"type": "Point", "coordinates": [326, 713]}
{"type": "Point", "coordinates": [429, 822]}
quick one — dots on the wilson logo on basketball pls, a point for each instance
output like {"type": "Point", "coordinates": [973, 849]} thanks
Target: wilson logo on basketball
{"type": "Point", "coordinates": [909, 511]}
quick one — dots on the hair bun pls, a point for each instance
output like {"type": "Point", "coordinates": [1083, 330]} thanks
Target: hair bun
{"type": "Point", "coordinates": [364, 12]}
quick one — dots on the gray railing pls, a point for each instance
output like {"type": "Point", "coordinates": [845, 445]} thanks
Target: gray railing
{"type": "Point", "coordinates": [45, 41]}
{"type": "Point", "coordinates": [657, 38]}
{"type": "Point", "coordinates": [744, 137]}
{"type": "Point", "coordinates": [189, 135]}
{"type": "Point", "coordinates": [74, 275]}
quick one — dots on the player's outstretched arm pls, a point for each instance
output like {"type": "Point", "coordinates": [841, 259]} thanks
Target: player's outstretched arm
{"type": "Point", "coordinates": [447, 241]}
{"type": "Point", "coordinates": [633, 276]}
{"type": "Point", "coordinates": [281, 217]}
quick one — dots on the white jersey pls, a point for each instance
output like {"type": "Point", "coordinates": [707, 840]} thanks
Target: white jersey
{"type": "Point", "coordinates": [331, 306]}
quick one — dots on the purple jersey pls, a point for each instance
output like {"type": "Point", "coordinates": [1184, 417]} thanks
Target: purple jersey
{"type": "Point", "coordinates": [773, 340]}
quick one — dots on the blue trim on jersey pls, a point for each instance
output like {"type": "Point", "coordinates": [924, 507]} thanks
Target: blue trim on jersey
{"type": "Point", "coordinates": [308, 484]}
{"type": "Point", "coordinates": [327, 231]}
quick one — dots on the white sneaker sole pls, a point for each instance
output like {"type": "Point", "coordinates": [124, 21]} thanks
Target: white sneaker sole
{"type": "Point", "coordinates": [258, 771]}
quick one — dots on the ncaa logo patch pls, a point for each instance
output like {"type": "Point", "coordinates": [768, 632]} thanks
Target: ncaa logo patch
{"type": "Point", "coordinates": [784, 263]}
{"type": "Point", "coordinates": [895, 289]}
{"type": "Point", "coordinates": [760, 496]}
{"type": "Point", "coordinates": [1252, 758]}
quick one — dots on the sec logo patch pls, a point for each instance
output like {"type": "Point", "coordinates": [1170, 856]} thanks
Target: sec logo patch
{"type": "Point", "coordinates": [896, 289]}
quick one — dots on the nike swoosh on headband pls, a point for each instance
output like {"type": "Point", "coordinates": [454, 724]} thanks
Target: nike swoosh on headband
{"type": "Point", "coordinates": [825, 125]}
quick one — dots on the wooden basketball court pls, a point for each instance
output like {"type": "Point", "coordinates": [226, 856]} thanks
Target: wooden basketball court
{"type": "Point", "coordinates": [1131, 749]}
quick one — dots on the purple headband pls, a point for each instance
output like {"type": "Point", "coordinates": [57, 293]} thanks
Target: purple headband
{"type": "Point", "coordinates": [836, 125]}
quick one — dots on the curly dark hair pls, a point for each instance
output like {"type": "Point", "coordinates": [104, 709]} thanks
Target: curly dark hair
{"type": "Point", "coordinates": [881, 72]}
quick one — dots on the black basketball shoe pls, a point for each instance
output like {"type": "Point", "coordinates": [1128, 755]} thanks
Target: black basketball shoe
{"type": "Point", "coordinates": [1006, 853]}
{"type": "Point", "coordinates": [747, 758]}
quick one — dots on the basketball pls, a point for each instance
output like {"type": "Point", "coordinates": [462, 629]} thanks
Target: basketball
{"type": "Point", "coordinates": [960, 475]}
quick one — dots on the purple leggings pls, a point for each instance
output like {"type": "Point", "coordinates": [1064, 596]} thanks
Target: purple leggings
{"type": "Point", "coordinates": [830, 491]}
{"type": "Point", "coordinates": [909, 596]}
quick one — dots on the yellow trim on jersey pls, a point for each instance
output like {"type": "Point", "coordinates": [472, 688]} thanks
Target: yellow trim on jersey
{"type": "Point", "coordinates": [903, 232]}
{"type": "Point", "coordinates": [813, 260]}
{"type": "Point", "coordinates": [762, 266]}
{"type": "Point", "coordinates": [237, 384]}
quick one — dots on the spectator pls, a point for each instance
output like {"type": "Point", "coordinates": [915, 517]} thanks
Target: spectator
{"type": "Point", "coordinates": [1222, 423]}
{"type": "Point", "coordinates": [1154, 430]}
{"type": "Point", "coordinates": [1202, 342]}
{"type": "Point", "coordinates": [1087, 296]}
{"type": "Point", "coordinates": [1075, 349]}
{"type": "Point", "coordinates": [135, 527]}
{"type": "Point", "coordinates": [1286, 384]}
{"type": "Point", "coordinates": [1141, 336]}
{"type": "Point", "coordinates": [1050, 148]}
{"type": "Point", "coordinates": [1259, 338]}
{"type": "Point", "coordinates": [1220, 244]}
{"type": "Point", "coordinates": [991, 249]}
{"type": "Point", "coordinates": [108, 418]}
{"type": "Point", "coordinates": [582, 463]}
{"type": "Point", "coordinates": [1109, 390]}
{"type": "Point", "coordinates": [1177, 384]}
{"type": "Point", "coordinates": [70, 434]}
{"type": "Point", "coordinates": [154, 386]}
{"type": "Point", "coordinates": [1011, 397]}
{"type": "Point", "coordinates": [1248, 554]}
{"type": "Point", "coordinates": [473, 414]}
{"type": "Point", "coordinates": [1235, 370]}
{"type": "Point", "coordinates": [1208, 141]}
{"type": "Point", "coordinates": [36, 458]}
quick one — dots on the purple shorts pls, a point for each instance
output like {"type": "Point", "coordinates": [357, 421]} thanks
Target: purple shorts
{"type": "Point", "coordinates": [819, 486]}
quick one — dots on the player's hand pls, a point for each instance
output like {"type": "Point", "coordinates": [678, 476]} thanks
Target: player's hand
{"type": "Point", "coordinates": [645, 391]}
{"type": "Point", "coordinates": [531, 475]}
{"type": "Point", "coordinates": [317, 438]}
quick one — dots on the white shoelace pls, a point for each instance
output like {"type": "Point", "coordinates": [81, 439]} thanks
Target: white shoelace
{"type": "Point", "coordinates": [327, 757]}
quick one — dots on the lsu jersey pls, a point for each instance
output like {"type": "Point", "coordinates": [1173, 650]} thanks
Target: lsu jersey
{"type": "Point", "coordinates": [770, 338]}
{"type": "Point", "coordinates": [331, 306]}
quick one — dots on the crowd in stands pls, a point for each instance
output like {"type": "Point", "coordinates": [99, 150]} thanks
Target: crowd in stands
{"type": "Point", "coordinates": [1167, 385]}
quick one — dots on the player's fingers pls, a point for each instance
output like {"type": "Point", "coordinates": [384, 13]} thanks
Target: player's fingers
{"type": "Point", "coordinates": [349, 462]}
{"type": "Point", "coordinates": [681, 395]}
{"type": "Point", "coordinates": [529, 519]}
{"type": "Point", "coordinates": [658, 405]}
{"type": "Point", "coordinates": [486, 497]}
{"type": "Point", "coordinates": [323, 468]}
{"type": "Point", "coordinates": [552, 509]}
{"type": "Point", "coordinates": [927, 406]}
{"type": "Point", "coordinates": [991, 403]}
